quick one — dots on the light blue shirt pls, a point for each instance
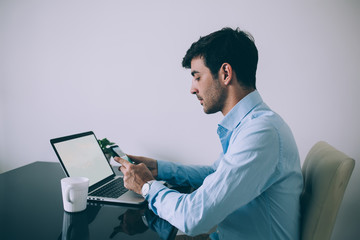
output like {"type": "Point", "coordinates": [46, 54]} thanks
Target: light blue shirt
{"type": "Point", "coordinates": [250, 192]}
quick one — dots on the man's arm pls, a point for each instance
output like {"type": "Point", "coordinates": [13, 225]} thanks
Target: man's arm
{"type": "Point", "coordinates": [175, 173]}
{"type": "Point", "coordinates": [233, 185]}
{"type": "Point", "coordinates": [242, 175]}
{"type": "Point", "coordinates": [178, 174]}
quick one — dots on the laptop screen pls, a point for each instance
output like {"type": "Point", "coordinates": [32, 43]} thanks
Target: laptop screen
{"type": "Point", "coordinates": [83, 157]}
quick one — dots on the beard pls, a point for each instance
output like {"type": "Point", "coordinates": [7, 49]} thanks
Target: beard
{"type": "Point", "coordinates": [214, 98]}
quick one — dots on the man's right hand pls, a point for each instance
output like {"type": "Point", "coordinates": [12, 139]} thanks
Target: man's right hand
{"type": "Point", "coordinates": [149, 162]}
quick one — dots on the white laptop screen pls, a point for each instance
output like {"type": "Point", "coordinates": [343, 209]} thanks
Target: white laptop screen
{"type": "Point", "coordinates": [82, 157]}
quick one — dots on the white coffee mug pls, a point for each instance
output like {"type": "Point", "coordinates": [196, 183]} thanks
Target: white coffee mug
{"type": "Point", "coordinates": [74, 193]}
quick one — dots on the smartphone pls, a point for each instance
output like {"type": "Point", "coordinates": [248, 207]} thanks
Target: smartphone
{"type": "Point", "coordinates": [116, 152]}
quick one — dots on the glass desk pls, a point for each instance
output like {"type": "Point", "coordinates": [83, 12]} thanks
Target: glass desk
{"type": "Point", "coordinates": [31, 208]}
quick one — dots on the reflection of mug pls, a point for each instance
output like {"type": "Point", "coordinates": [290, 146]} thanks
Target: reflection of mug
{"type": "Point", "coordinates": [74, 193]}
{"type": "Point", "coordinates": [75, 226]}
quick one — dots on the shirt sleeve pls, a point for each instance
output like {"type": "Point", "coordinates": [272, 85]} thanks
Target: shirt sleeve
{"type": "Point", "coordinates": [246, 170]}
{"type": "Point", "coordinates": [181, 175]}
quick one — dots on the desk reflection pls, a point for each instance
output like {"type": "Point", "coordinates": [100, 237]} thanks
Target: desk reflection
{"type": "Point", "coordinates": [131, 221]}
{"type": "Point", "coordinates": [76, 225]}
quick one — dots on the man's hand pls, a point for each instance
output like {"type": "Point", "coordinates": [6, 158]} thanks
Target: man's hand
{"type": "Point", "coordinates": [149, 162]}
{"type": "Point", "coordinates": [135, 176]}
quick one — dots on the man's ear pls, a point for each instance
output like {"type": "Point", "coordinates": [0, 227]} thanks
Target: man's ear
{"type": "Point", "coordinates": [226, 73]}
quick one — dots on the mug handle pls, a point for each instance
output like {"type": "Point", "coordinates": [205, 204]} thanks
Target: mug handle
{"type": "Point", "coordinates": [67, 194]}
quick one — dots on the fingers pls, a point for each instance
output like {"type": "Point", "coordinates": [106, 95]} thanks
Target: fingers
{"type": "Point", "coordinates": [123, 162]}
{"type": "Point", "coordinates": [134, 175]}
{"type": "Point", "coordinates": [149, 162]}
{"type": "Point", "coordinates": [136, 159]}
{"type": "Point", "coordinates": [124, 168]}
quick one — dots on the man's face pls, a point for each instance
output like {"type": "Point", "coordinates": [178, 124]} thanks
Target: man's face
{"type": "Point", "coordinates": [208, 90]}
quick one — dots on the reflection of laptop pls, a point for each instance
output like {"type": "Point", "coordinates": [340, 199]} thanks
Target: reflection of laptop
{"type": "Point", "coordinates": [81, 156]}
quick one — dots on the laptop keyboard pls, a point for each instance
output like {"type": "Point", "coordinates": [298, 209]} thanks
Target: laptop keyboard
{"type": "Point", "coordinates": [113, 189]}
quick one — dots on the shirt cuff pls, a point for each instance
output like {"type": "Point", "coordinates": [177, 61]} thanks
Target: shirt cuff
{"type": "Point", "coordinates": [155, 187]}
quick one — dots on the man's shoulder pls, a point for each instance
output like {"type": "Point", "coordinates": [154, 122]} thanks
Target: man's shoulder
{"type": "Point", "coordinates": [261, 115]}
{"type": "Point", "coordinates": [264, 122]}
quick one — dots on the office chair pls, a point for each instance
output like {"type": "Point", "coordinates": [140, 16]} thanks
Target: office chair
{"type": "Point", "coordinates": [326, 174]}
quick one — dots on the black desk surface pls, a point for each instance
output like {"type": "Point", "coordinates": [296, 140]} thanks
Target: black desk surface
{"type": "Point", "coordinates": [31, 208]}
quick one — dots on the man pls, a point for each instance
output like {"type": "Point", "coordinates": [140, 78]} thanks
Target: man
{"type": "Point", "coordinates": [252, 190]}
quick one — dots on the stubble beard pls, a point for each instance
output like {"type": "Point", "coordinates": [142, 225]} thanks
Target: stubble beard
{"type": "Point", "coordinates": [215, 99]}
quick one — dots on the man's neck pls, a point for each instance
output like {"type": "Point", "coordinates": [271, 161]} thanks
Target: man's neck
{"type": "Point", "coordinates": [234, 97]}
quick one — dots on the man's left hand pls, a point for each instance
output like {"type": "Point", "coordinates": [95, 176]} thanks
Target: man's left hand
{"type": "Point", "coordinates": [135, 176]}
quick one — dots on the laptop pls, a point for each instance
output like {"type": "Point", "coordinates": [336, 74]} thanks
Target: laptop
{"type": "Point", "coordinates": [80, 155]}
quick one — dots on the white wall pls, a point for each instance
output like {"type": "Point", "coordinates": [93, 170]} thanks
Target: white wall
{"type": "Point", "coordinates": [114, 67]}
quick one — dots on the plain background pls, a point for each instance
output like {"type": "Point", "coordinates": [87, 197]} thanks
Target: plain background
{"type": "Point", "coordinates": [114, 67]}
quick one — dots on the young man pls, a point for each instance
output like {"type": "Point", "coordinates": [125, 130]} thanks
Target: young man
{"type": "Point", "coordinates": [252, 190]}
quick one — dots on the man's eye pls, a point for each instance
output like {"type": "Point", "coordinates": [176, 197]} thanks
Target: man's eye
{"type": "Point", "coordinates": [197, 79]}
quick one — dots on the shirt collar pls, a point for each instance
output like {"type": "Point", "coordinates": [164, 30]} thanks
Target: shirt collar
{"type": "Point", "coordinates": [240, 110]}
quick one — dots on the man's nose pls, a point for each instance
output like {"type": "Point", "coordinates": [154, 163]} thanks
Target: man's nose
{"type": "Point", "coordinates": [193, 88]}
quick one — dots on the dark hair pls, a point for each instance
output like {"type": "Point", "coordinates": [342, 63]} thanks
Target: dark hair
{"type": "Point", "coordinates": [235, 47]}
